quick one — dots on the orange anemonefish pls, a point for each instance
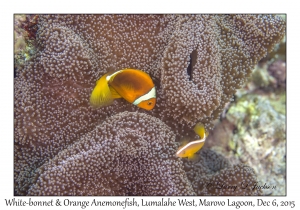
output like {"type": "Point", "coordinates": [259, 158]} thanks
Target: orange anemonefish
{"type": "Point", "coordinates": [135, 86]}
{"type": "Point", "coordinates": [189, 149]}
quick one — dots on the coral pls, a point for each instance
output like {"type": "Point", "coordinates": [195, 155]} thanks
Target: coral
{"type": "Point", "coordinates": [24, 38]}
{"type": "Point", "coordinates": [260, 144]}
{"type": "Point", "coordinates": [52, 111]}
{"type": "Point", "coordinates": [269, 77]}
{"type": "Point", "coordinates": [261, 78]}
{"type": "Point", "coordinates": [278, 70]}
{"type": "Point", "coordinates": [254, 133]}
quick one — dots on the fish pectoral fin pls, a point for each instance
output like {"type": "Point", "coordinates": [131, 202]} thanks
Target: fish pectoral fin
{"type": "Point", "coordinates": [114, 93]}
{"type": "Point", "coordinates": [128, 87]}
{"type": "Point", "coordinates": [194, 158]}
{"type": "Point", "coordinates": [191, 157]}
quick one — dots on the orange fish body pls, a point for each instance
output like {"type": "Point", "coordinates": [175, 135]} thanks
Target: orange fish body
{"type": "Point", "coordinates": [189, 149]}
{"type": "Point", "coordinates": [133, 85]}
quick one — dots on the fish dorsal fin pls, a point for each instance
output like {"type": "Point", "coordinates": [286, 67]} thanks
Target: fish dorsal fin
{"type": "Point", "coordinates": [184, 141]}
{"type": "Point", "coordinates": [114, 93]}
{"type": "Point", "coordinates": [111, 75]}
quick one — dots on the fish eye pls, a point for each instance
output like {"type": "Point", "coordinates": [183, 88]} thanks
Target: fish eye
{"type": "Point", "coordinates": [149, 103]}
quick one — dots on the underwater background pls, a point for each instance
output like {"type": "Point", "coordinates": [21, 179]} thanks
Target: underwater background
{"type": "Point", "coordinates": [65, 147]}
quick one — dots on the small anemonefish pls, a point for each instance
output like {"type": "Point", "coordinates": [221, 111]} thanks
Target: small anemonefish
{"type": "Point", "coordinates": [135, 86]}
{"type": "Point", "coordinates": [189, 149]}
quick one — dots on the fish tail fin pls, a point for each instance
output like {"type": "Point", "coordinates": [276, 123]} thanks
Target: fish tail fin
{"type": "Point", "coordinates": [101, 95]}
{"type": "Point", "coordinates": [200, 130]}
